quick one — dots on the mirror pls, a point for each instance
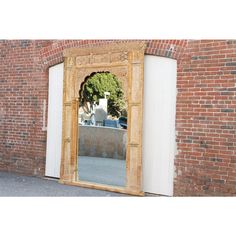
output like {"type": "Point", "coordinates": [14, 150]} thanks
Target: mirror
{"type": "Point", "coordinates": [102, 124]}
{"type": "Point", "coordinates": [126, 61]}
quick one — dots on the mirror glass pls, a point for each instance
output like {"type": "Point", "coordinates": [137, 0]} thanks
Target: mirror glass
{"type": "Point", "coordinates": [102, 122]}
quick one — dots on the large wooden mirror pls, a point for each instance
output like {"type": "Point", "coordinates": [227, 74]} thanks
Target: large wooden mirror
{"type": "Point", "coordinates": [102, 117]}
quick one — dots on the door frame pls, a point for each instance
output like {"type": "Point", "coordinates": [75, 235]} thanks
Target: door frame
{"type": "Point", "coordinates": [126, 61]}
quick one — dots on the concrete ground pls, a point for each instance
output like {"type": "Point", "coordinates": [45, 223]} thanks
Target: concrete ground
{"type": "Point", "coordinates": [14, 185]}
{"type": "Point", "coordinates": [102, 170]}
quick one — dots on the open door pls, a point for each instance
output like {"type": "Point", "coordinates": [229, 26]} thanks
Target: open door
{"type": "Point", "coordinates": [54, 125]}
{"type": "Point", "coordinates": [159, 124]}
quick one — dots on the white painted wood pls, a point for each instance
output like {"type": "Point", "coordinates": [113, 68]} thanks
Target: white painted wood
{"type": "Point", "coordinates": [159, 124]}
{"type": "Point", "coordinates": [54, 125]}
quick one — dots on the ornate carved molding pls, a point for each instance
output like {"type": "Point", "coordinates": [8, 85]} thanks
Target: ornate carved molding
{"type": "Point", "coordinates": [106, 48]}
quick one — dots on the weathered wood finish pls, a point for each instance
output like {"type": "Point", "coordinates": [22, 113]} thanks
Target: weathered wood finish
{"type": "Point", "coordinates": [125, 60]}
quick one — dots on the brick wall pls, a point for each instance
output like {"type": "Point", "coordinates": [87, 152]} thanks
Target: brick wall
{"type": "Point", "coordinates": [205, 120]}
{"type": "Point", "coordinates": [23, 86]}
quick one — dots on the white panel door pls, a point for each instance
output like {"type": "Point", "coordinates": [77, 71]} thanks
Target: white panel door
{"type": "Point", "coordinates": [54, 125]}
{"type": "Point", "coordinates": [159, 124]}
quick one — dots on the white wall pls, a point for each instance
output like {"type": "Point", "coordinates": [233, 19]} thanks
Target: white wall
{"type": "Point", "coordinates": [159, 124]}
{"type": "Point", "coordinates": [54, 125]}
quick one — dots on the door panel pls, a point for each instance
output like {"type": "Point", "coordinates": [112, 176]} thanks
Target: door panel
{"type": "Point", "coordinates": [159, 124]}
{"type": "Point", "coordinates": [54, 126]}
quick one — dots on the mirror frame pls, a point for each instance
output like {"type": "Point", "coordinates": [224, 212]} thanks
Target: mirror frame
{"type": "Point", "coordinates": [126, 61]}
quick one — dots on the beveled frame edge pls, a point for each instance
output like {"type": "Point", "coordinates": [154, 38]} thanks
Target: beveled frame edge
{"type": "Point", "coordinates": [103, 187]}
{"type": "Point", "coordinates": [70, 178]}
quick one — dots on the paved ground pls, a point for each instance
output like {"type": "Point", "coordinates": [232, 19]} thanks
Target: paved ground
{"type": "Point", "coordinates": [14, 185]}
{"type": "Point", "coordinates": [102, 170]}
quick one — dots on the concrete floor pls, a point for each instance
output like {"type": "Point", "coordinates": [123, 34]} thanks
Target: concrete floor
{"type": "Point", "coordinates": [14, 185]}
{"type": "Point", "coordinates": [102, 170]}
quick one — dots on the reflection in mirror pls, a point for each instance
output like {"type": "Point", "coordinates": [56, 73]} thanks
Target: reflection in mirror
{"type": "Point", "coordinates": [102, 130]}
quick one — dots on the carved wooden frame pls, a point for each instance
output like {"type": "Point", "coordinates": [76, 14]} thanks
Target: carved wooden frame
{"type": "Point", "coordinates": [125, 60]}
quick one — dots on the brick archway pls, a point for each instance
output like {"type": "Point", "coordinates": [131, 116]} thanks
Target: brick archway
{"type": "Point", "coordinates": [52, 54]}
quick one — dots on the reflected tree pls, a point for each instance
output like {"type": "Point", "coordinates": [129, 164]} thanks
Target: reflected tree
{"type": "Point", "coordinates": [94, 88]}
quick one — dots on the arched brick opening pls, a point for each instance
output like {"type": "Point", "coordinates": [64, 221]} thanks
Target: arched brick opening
{"type": "Point", "coordinates": [53, 53]}
{"type": "Point", "coordinates": [175, 49]}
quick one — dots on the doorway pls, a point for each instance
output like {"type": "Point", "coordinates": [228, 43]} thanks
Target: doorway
{"type": "Point", "coordinates": [158, 124]}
